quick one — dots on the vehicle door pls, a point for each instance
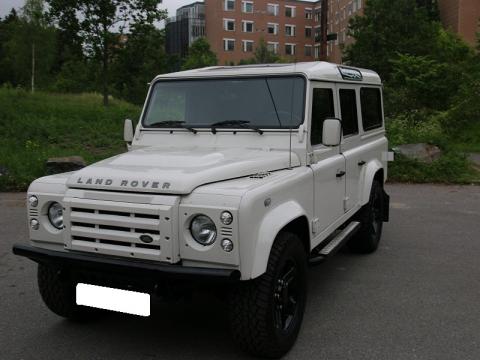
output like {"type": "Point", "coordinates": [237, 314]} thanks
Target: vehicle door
{"type": "Point", "coordinates": [327, 163]}
{"type": "Point", "coordinates": [349, 100]}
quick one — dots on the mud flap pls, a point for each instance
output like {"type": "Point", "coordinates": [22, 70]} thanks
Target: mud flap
{"type": "Point", "coordinates": [386, 206]}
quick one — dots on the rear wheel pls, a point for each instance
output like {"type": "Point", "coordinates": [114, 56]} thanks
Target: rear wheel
{"type": "Point", "coordinates": [59, 294]}
{"type": "Point", "coordinates": [266, 313]}
{"type": "Point", "coordinates": [371, 219]}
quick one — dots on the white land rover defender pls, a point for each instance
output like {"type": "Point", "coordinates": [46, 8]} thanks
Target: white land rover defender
{"type": "Point", "coordinates": [239, 175]}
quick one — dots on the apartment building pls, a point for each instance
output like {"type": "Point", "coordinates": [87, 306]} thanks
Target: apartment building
{"type": "Point", "coordinates": [293, 29]}
{"type": "Point", "coordinates": [462, 17]}
{"type": "Point", "coordinates": [297, 30]}
{"type": "Point", "coordinates": [187, 26]}
{"type": "Point", "coordinates": [339, 14]}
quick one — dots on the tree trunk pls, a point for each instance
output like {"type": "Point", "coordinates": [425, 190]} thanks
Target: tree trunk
{"type": "Point", "coordinates": [33, 68]}
{"type": "Point", "coordinates": [105, 72]}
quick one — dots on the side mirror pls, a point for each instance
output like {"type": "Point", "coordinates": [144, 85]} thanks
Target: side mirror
{"type": "Point", "coordinates": [332, 132]}
{"type": "Point", "coordinates": [128, 131]}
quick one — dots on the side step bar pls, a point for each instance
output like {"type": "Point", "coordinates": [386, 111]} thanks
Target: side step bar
{"type": "Point", "coordinates": [335, 243]}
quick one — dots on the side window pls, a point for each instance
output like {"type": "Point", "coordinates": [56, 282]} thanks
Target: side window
{"type": "Point", "coordinates": [371, 100]}
{"type": "Point", "coordinates": [348, 106]}
{"type": "Point", "coordinates": [322, 108]}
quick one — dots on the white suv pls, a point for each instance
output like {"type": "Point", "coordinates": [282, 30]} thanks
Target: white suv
{"type": "Point", "coordinates": [238, 175]}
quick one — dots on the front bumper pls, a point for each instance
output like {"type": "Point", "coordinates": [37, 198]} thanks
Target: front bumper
{"type": "Point", "coordinates": [128, 271]}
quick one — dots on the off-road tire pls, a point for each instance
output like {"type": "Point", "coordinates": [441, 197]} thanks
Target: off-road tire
{"type": "Point", "coordinates": [371, 218]}
{"type": "Point", "coordinates": [253, 304]}
{"type": "Point", "coordinates": [59, 294]}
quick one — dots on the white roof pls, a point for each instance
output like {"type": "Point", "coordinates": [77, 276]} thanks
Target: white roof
{"type": "Point", "coordinates": [317, 70]}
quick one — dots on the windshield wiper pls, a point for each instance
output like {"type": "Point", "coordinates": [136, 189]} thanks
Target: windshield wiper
{"type": "Point", "coordinates": [233, 123]}
{"type": "Point", "coordinates": [173, 123]}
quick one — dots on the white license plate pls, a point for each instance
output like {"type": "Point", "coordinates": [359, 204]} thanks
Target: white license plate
{"type": "Point", "coordinates": [129, 302]}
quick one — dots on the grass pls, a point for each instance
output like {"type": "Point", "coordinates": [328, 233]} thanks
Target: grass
{"type": "Point", "coordinates": [37, 126]}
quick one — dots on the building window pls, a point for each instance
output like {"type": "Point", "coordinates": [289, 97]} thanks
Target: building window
{"type": "Point", "coordinates": [308, 31]}
{"type": "Point", "coordinates": [228, 24]}
{"type": "Point", "coordinates": [272, 9]}
{"type": "Point", "coordinates": [247, 46]}
{"type": "Point", "coordinates": [317, 51]}
{"type": "Point", "coordinates": [357, 5]}
{"type": "Point", "coordinates": [272, 28]}
{"type": "Point", "coordinates": [247, 6]}
{"type": "Point", "coordinates": [229, 5]}
{"type": "Point", "coordinates": [290, 49]}
{"type": "Point", "coordinates": [290, 30]}
{"type": "Point", "coordinates": [318, 34]}
{"type": "Point", "coordinates": [308, 14]}
{"type": "Point", "coordinates": [308, 50]}
{"type": "Point", "coordinates": [290, 11]}
{"type": "Point", "coordinates": [318, 15]}
{"type": "Point", "coordinates": [229, 44]}
{"type": "Point", "coordinates": [272, 47]}
{"type": "Point", "coordinates": [247, 26]}
{"type": "Point", "coordinates": [350, 9]}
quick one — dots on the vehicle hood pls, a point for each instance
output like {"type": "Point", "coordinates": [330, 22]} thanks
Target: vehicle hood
{"type": "Point", "coordinates": [177, 171]}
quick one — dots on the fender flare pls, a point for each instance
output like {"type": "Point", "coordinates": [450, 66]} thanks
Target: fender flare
{"type": "Point", "coordinates": [370, 171]}
{"type": "Point", "coordinates": [268, 230]}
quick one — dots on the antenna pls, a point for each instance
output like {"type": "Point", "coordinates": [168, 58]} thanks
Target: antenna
{"type": "Point", "coordinates": [291, 117]}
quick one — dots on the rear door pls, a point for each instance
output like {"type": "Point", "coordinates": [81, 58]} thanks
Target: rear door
{"type": "Point", "coordinates": [349, 101]}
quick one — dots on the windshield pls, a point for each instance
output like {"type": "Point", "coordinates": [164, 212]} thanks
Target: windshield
{"type": "Point", "coordinates": [266, 102]}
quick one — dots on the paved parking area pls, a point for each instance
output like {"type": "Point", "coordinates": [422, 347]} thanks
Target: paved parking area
{"type": "Point", "coordinates": [418, 297]}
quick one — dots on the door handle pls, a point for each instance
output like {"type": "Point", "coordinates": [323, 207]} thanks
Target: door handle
{"type": "Point", "coordinates": [361, 163]}
{"type": "Point", "coordinates": [341, 174]}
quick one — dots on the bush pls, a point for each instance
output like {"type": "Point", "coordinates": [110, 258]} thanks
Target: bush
{"type": "Point", "coordinates": [451, 168]}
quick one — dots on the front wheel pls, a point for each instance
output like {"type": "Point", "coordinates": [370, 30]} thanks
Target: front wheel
{"type": "Point", "coordinates": [59, 294]}
{"type": "Point", "coordinates": [266, 313]}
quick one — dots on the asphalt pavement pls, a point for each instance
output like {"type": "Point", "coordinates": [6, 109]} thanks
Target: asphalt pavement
{"type": "Point", "coordinates": [417, 297]}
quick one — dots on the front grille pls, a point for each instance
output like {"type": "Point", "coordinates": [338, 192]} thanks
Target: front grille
{"type": "Point", "coordinates": [115, 228]}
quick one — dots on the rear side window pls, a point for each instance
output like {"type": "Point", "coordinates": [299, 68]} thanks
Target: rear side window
{"type": "Point", "coordinates": [322, 108]}
{"type": "Point", "coordinates": [348, 105]}
{"type": "Point", "coordinates": [371, 100]}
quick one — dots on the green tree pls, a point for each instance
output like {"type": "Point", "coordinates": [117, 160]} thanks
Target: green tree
{"type": "Point", "coordinates": [7, 28]}
{"type": "Point", "coordinates": [99, 24]}
{"type": "Point", "coordinates": [263, 55]}
{"type": "Point", "coordinates": [30, 47]}
{"type": "Point", "coordinates": [199, 55]}
{"type": "Point", "coordinates": [131, 76]}
{"type": "Point", "coordinates": [389, 28]}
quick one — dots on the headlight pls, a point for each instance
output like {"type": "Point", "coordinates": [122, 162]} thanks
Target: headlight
{"type": "Point", "coordinates": [55, 215]}
{"type": "Point", "coordinates": [203, 230]}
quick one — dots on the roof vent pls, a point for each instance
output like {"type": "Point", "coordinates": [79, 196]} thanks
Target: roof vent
{"type": "Point", "coordinates": [260, 175]}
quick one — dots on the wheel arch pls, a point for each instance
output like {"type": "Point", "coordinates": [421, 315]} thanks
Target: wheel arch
{"type": "Point", "coordinates": [290, 217]}
{"type": "Point", "coordinates": [373, 171]}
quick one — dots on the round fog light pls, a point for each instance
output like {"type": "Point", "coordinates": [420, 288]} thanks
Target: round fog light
{"type": "Point", "coordinates": [34, 224]}
{"type": "Point", "coordinates": [33, 201]}
{"type": "Point", "coordinates": [227, 245]}
{"type": "Point", "coordinates": [226, 218]}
